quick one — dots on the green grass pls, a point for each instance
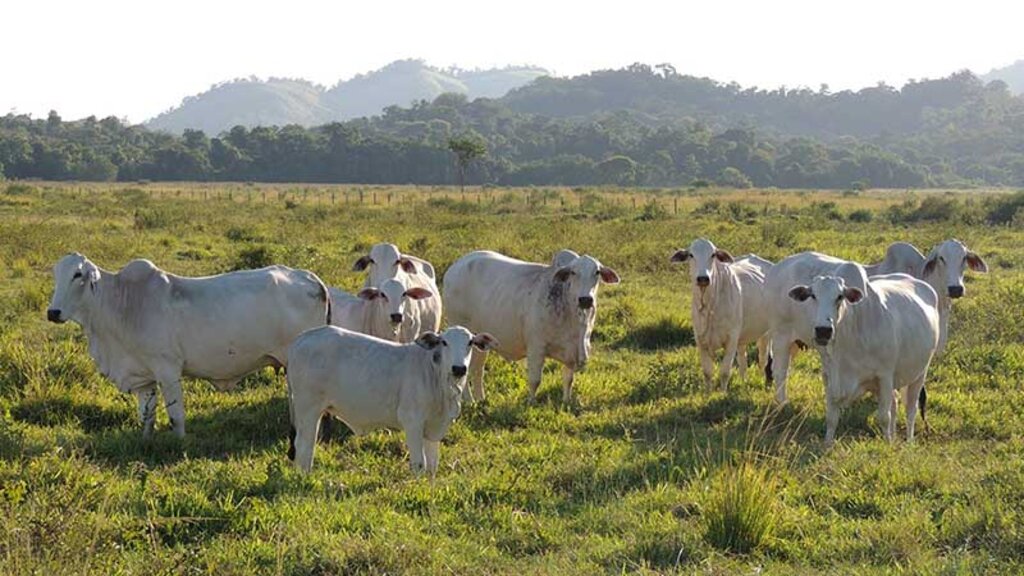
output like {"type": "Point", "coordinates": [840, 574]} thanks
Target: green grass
{"type": "Point", "coordinates": [646, 474]}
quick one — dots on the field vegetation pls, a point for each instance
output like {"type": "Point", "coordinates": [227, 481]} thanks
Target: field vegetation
{"type": "Point", "coordinates": [645, 473]}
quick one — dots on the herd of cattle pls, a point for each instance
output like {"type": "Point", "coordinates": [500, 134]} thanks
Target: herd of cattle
{"type": "Point", "coordinates": [377, 359]}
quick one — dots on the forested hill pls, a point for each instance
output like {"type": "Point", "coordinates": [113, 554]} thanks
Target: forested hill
{"type": "Point", "coordinates": [252, 102]}
{"type": "Point", "coordinates": [635, 126]}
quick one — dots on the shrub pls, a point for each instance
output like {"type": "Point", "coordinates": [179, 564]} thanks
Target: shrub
{"type": "Point", "coordinates": [21, 190]}
{"type": "Point", "coordinates": [779, 234]}
{"type": "Point", "coordinates": [151, 219]}
{"type": "Point", "coordinates": [254, 257]}
{"type": "Point", "coordinates": [740, 514]}
{"type": "Point", "coordinates": [1002, 211]}
{"type": "Point", "coordinates": [861, 215]}
{"type": "Point", "coordinates": [653, 210]}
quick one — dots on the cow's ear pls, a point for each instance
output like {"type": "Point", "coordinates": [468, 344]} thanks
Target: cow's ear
{"type": "Point", "coordinates": [929, 266]}
{"type": "Point", "coordinates": [680, 256]}
{"type": "Point", "coordinates": [418, 293]}
{"type": "Point", "coordinates": [428, 340]}
{"type": "Point", "coordinates": [800, 293]}
{"type": "Point", "coordinates": [370, 293]}
{"type": "Point", "coordinates": [484, 341]}
{"type": "Point", "coordinates": [974, 262]}
{"type": "Point", "coordinates": [408, 266]}
{"type": "Point", "coordinates": [563, 274]}
{"type": "Point", "coordinates": [852, 294]}
{"type": "Point", "coordinates": [723, 256]}
{"type": "Point", "coordinates": [362, 263]}
{"type": "Point", "coordinates": [608, 276]}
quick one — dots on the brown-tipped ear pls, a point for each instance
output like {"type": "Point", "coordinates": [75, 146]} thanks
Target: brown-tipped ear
{"type": "Point", "coordinates": [362, 263]}
{"type": "Point", "coordinates": [408, 266]}
{"type": "Point", "coordinates": [370, 293]}
{"type": "Point", "coordinates": [608, 276]}
{"type": "Point", "coordinates": [484, 341]}
{"type": "Point", "coordinates": [723, 256]}
{"type": "Point", "coordinates": [929, 266]}
{"type": "Point", "coordinates": [418, 293]}
{"type": "Point", "coordinates": [428, 340]}
{"type": "Point", "coordinates": [680, 256]}
{"type": "Point", "coordinates": [800, 293]}
{"type": "Point", "coordinates": [974, 262]}
{"type": "Point", "coordinates": [852, 294]}
{"type": "Point", "coordinates": [563, 274]}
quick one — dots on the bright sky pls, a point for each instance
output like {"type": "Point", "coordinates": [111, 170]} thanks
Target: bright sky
{"type": "Point", "coordinates": [137, 58]}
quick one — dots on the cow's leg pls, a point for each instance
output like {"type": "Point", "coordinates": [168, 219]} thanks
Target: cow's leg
{"type": "Point", "coordinates": [780, 366]}
{"type": "Point", "coordinates": [415, 443]}
{"type": "Point", "coordinates": [146, 396]}
{"type": "Point", "coordinates": [477, 361]}
{"type": "Point", "coordinates": [832, 411]}
{"type": "Point", "coordinates": [534, 371]}
{"type": "Point", "coordinates": [725, 368]}
{"type": "Point", "coordinates": [910, 405]}
{"type": "Point", "coordinates": [174, 402]}
{"type": "Point", "coordinates": [764, 355]}
{"type": "Point", "coordinates": [568, 374]}
{"type": "Point", "coordinates": [741, 362]}
{"type": "Point", "coordinates": [707, 366]}
{"type": "Point", "coordinates": [304, 432]}
{"type": "Point", "coordinates": [432, 454]}
{"type": "Point", "coordinates": [885, 396]}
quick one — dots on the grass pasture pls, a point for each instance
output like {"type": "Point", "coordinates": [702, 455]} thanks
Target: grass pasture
{"type": "Point", "coordinates": [646, 474]}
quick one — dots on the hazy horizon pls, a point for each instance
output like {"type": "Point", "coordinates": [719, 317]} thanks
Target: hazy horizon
{"type": "Point", "coordinates": [112, 58]}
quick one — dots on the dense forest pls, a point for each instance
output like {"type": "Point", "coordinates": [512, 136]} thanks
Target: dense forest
{"type": "Point", "coordinates": [640, 125]}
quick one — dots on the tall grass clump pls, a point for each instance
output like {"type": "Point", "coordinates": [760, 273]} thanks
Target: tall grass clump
{"type": "Point", "coordinates": [742, 508]}
{"type": "Point", "coordinates": [740, 515]}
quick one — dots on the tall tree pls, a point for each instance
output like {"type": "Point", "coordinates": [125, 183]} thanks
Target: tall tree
{"type": "Point", "coordinates": [466, 150]}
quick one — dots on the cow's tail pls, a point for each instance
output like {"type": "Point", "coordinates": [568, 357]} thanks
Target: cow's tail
{"type": "Point", "coordinates": [922, 401]}
{"type": "Point", "coordinates": [326, 294]}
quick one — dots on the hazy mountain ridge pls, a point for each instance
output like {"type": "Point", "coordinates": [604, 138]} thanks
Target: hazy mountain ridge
{"type": "Point", "coordinates": [278, 102]}
{"type": "Point", "coordinates": [1013, 75]}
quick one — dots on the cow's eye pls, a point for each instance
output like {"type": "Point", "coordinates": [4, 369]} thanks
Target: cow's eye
{"type": "Point", "coordinates": [76, 276]}
{"type": "Point", "coordinates": [443, 343]}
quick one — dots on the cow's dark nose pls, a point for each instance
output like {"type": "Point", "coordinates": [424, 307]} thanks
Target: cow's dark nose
{"type": "Point", "coordinates": [458, 371]}
{"type": "Point", "coordinates": [956, 291]}
{"type": "Point", "coordinates": [586, 302]}
{"type": "Point", "coordinates": [396, 318]}
{"type": "Point", "coordinates": [703, 281]}
{"type": "Point", "coordinates": [53, 315]}
{"type": "Point", "coordinates": [822, 334]}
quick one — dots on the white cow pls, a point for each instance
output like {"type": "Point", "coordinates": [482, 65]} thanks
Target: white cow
{"type": "Point", "coordinates": [382, 312]}
{"type": "Point", "coordinates": [147, 327]}
{"type": "Point", "coordinates": [535, 311]}
{"type": "Point", "coordinates": [385, 261]}
{"type": "Point", "coordinates": [879, 335]}
{"type": "Point", "coordinates": [727, 308]}
{"type": "Point", "coordinates": [791, 323]}
{"type": "Point", "coordinates": [900, 257]}
{"type": "Point", "coordinates": [371, 383]}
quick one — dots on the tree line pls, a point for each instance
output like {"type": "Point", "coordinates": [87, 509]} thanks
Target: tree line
{"type": "Point", "coordinates": [955, 131]}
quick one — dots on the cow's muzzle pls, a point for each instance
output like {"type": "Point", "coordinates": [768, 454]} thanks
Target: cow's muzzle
{"type": "Point", "coordinates": [956, 291]}
{"type": "Point", "coordinates": [54, 316]}
{"type": "Point", "coordinates": [586, 302]}
{"type": "Point", "coordinates": [458, 371]}
{"type": "Point", "coordinates": [396, 318]}
{"type": "Point", "coordinates": [822, 335]}
{"type": "Point", "coordinates": [703, 281]}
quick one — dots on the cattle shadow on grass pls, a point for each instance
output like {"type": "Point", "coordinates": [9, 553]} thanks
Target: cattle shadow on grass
{"type": "Point", "coordinates": [217, 434]}
{"type": "Point", "coordinates": [665, 334]}
{"type": "Point", "coordinates": [91, 417]}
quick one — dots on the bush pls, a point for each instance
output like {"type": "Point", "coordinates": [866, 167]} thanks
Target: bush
{"type": "Point", "coordinates": [254, 257]}
{"type": "Point", "coordinates": [779, 234]}
{"type": "Point", "coordinates": [653, 210]}
{"type": "Point", "coordinates": [1002, 211]}
{"type": "Point", "coordinates": [861, 215]}
{"type": "Point", "coordinates": [20, 190]}
{"type": "Point", "coordinates": [740, 513]}
{"type": "Point", "coordinates": [151, 219]}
